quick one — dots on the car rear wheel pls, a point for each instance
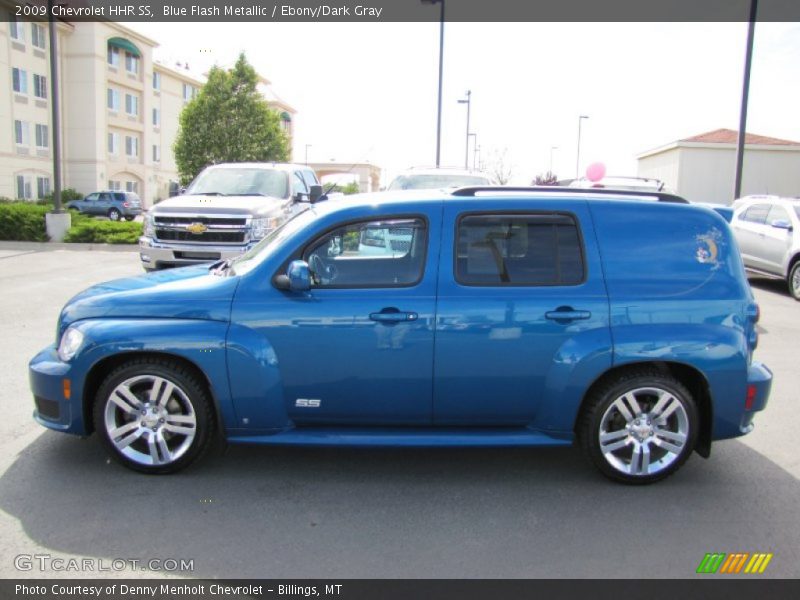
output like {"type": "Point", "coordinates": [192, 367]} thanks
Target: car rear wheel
{"type": "Point", "coordinates": [639, 428]}
{"type": "Point", "coordinates": [153, 415]}
{"type": "Point", "coordinates": [114, 214]}
{"type": "Point", "coordinates": [794, 281]}
{"type": "Point", "coordinates": [129, 218]}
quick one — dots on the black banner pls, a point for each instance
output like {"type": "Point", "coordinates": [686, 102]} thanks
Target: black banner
{"type": "Point", "coordinates": [387, 589]}
{"type": "Point", "coordinates": [372, 11]}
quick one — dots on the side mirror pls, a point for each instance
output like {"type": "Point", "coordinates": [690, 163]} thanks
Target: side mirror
{"type": "Point", "coordinates": [782, 224]}
{"type": "Point", "coordinates": [297, 278]}
{"type": "Point", "coordinates": [315, 193]}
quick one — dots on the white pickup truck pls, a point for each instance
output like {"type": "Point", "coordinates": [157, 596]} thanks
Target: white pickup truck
{"type": "Point", "coordinates": [224, 212]}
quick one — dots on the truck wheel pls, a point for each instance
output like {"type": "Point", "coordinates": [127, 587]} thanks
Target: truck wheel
{"type": "Point", "coordinates": [114, 214]}
{"type": "Point", "coordinates": [153, 415]}
{"type": "Point", "coordinates": [794, 281]}
{"type": "Point", "coordinates": [639, 428]}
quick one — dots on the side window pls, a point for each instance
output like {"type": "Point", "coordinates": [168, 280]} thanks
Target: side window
{"type": "Point", "coordinates": [105, 197]}
{"type": "Point", "coordinates": [388, 253]}
{"type": "Point", "coordinates": [777, 213]}
{"type": "Point", "coordinates": [311, 178]}
{"type": "Point", "coordinates": [518, 250]}
{"type": "Point", "coordinates": [756, 213]}
{"type": "Point", "coordinates": [300, 186]}
{"type": "Point", "coordinates": [92, 197]}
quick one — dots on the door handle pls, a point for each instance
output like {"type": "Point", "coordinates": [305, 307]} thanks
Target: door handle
{"type": "Point", "coordinates": [566, 313]}
{"type": "Point", "coordinates": [393, 315]}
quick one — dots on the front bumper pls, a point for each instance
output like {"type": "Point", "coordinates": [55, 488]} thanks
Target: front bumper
{"type": "Point", "coordinates": [156, 255]}
{"type": "Point", "coordinates": [53, 409]}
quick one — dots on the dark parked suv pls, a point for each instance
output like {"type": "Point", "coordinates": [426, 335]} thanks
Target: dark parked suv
{"type": "Point", "coordinates": [114, 205]}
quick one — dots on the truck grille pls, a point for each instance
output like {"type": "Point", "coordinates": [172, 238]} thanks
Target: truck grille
{"type": "Point", "coordinates": [218, 230]}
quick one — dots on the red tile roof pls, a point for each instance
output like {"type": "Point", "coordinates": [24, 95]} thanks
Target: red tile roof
{"type": "Point", "coordinates": [729, 136]}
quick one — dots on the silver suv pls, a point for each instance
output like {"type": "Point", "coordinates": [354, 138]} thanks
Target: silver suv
{"type": "Point", "coordinates": [767, 229]}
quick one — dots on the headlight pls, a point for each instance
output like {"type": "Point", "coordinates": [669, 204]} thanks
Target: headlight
{"type": "Point", "coordinates": [262, 226]}
{"type": "Point", "coordinates": [149, 226]}
{"type": "Point", "coordinates": [70, 344]}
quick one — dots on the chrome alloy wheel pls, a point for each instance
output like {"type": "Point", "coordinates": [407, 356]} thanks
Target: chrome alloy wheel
{"type": "Point", "coordinates": [150, 420]}
{"type": "Point", "coordinates": [795, 282]}
{"type": "Point", "coordinates": [643, 431]}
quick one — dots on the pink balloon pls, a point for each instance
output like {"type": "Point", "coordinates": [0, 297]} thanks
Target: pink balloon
{"type": "Point", "coordinates": [595, 171]}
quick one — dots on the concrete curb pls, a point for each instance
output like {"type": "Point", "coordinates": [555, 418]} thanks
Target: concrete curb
{"type": "Point", "coordinates": [52, 246]}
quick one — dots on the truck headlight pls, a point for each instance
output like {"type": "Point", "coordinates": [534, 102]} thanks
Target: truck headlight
{"type": "Point", "coordinates": [149, 226]}
{"type": "Point", "coordinates": [70, 344]}
{"type": "Point", "coordinates": [262, 226]}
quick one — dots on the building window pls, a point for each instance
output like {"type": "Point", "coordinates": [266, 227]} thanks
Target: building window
{"type": "Point", "coordinates": [19, 80]}
{"type": "Point", "coordinates": [131, 146]}
{"type": "Point", "coordinates": [40, 86]}
{"type": "Point", "coordinates": [42, 186]}
{"type": "Point", "coordinates": [131, 104]}
{"type": "Point", "coordinates": [16, 29]}
{"type": "Point", "coordinates": [156, 81]}
{"type": "Point", "coordinates": [132, 186]}
{"type": "Point", "coordinates": [189, 92]}
{"type": "Point", "coordinates": [22, 133]}
{"type": "Point", "coordinates": [131, 63]}
{"type": "Point", "coordinates": [156, 153]}
{"type": "Point", "coordinates": [156, 117]}
{"type": "Point", "coordinates": [114, 186]}
{"type": "Point", "coordinates": [113, 99]}
{"type": "Point", "coordinates": [42, 137]}
{"type": "Point", "coordinates": [37, 36]}
{"type": "Point", "coordinates": [113, 56]}
{"type": "Point", "coordinates": [113, 143]}
{"type": "Point", "coordinates": [24, 187]}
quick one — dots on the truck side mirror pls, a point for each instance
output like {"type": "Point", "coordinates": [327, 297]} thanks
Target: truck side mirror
{"type": "Point", "coordinates": [297, 278]}
{"type": "Point", "coordinates": [315, 193]}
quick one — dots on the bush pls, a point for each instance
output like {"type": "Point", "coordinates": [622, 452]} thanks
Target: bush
{"type": "Point", "coordinates": [67, 195]}
{"type": "Point", "coordinates": [22, 222]}
{"type": "Point", "coordinates": [87, 230]}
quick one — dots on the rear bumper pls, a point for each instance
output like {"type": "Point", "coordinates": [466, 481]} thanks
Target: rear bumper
{"type": "Point", "coordinates": [156, 255]}
{"type": "Point", "coordinates": [759, 379]}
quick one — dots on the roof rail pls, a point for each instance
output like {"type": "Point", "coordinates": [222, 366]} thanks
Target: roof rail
{"type": "Point", "coordinates": [471, 191]}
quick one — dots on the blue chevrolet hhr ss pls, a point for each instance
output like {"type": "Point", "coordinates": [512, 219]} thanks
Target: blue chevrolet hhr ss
{"type": "Point", "coordinates": [482, 317]}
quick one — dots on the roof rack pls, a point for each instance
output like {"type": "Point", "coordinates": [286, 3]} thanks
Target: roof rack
{"type": "Point", "coordinates": [472, 191]}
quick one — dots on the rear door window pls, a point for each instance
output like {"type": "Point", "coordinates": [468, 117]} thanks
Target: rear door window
{"type": "Point", "coordinates": [519, 250]}
{"type": "Point", "coordinates": [756, 214]}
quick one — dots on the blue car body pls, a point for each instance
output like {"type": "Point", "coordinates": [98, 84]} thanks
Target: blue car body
{"type": "Point", "coordinates": [499, 365]}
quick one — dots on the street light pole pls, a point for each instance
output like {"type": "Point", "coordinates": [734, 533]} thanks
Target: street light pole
{"type": "Point", "coordinates": [737, 184]}
{"type": "Point", "coordinates": [474, 137]}
{"type": "Point", "coordinates": [54, 105]}
{"type": "Point", "coordinates": [441, 68]}
{"type": "Point", "coordinates": [551, 158]}
{"type": "Point", "coordinates": [578, 157]}
{"type": "Point", "coordinates": [467, 101]}
{"type": "Point", "coordinates": [307, 147]}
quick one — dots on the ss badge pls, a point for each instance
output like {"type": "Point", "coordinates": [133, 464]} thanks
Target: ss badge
{"type": "Point", "coordinates": [307, 403]}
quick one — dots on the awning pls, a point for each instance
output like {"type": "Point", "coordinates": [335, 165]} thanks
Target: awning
{"type": "Point", "coordinates": [285, 116]}
{"type": "Point", "coordinates": [124, 45]}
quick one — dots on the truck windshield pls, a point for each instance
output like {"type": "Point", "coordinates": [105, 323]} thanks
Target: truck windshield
{"type": "Point", "coordinates": [241, 182]}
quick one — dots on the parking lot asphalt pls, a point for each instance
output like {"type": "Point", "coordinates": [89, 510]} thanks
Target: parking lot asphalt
{"type": "Point", "coordinates": [420, 513]}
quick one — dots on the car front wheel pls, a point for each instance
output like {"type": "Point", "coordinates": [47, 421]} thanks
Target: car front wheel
{"type": "Point", "coordinates": [639, 428]}
{"type": "Point", "coordinates": [794, 281]}
{"type": "Point", "coordinates": [153, 415]}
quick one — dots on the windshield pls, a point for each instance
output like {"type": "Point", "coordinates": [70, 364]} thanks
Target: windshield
{"type": "Point", "coordinates": [241, 182]}
{"type": "Point", "coordinates": [246, 262]}
{"type": "Point", "coordinates": [432, 182]}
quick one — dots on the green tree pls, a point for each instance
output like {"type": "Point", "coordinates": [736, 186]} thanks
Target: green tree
{"type": "Point", "coordinates": [228, 121]}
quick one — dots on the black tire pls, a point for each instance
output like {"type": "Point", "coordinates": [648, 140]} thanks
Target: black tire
{"type": "Point", "coordinates": [129, 218]}
{"type": "Point", "coordinates": [187, 406]}
{"type": "Point", "coordinates": [640, 438]}
{"type": "Point", "coordinates": [794, 281]}
{"type": "Point", "coordinates": [114, 214]}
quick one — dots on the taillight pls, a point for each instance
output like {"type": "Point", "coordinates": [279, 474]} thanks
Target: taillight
{"type": "Point", "coordinates": [126, 204]}
{"type": "Point", "coordinates": [751, 397]}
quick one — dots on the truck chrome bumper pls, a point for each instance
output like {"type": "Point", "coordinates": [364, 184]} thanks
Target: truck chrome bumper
{"type": "Point", "coordinates": [157, 255]}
